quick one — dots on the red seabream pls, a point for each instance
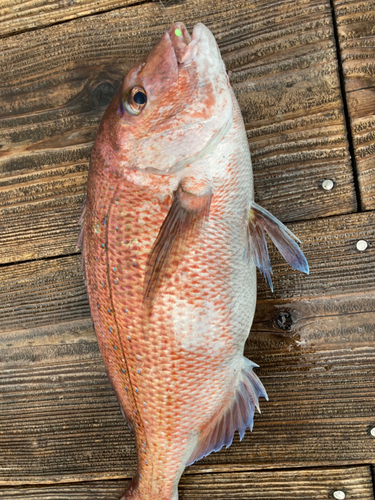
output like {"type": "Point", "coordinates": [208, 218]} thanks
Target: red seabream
{"type": "Point", "coordinates": [171, 240]}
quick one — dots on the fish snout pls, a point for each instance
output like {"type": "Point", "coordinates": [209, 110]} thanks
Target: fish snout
{"type": "Point", "coordinates": [206, 40]}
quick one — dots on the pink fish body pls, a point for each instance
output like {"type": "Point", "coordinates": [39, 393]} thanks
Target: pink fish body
{"type": "Point", "coordinates": [172, 238]}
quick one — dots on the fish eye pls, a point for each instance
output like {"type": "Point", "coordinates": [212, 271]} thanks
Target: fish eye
{"type": "Point", "coordinates": [135, 100]}
{"type": "Point", "coordinates": [140, 98]}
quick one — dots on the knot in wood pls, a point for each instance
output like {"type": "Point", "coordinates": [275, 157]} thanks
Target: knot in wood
{"type": "Point", "coordinates": [285, 320]}
{"type": "Point", "coordinates": [103, 94]}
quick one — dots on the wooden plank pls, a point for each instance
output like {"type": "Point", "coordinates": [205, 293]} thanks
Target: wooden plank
{"type": "Point", "coordinates": [52, 290]}
{"type": "Point", "coordinates": [42, 293]}
{"type": "Point", "coordinates": [23, 15]}
{"type": "Point", "coordinates": [355, 22]}
{"type": "Point", "coordinates": [57, 81]}
{"type": "Point", "coordinates": [355, 482]}
{"type": "Point", "coordinates": [336, 266]}
{"type": "Point", "coordinates": [66, 425]}
{"type": "Point", "coordinates": [59, 420]}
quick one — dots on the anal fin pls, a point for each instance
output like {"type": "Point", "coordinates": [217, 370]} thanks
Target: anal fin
{"type": "Point", "coordinates": [239, 415]}
{"type": "Point", "coordinates": [260, 222]}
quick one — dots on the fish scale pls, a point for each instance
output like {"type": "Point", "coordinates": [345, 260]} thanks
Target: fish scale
{"type": "Point", "coordinates": [129, 239]}
{"type": "Point", "coordinates": [171, 281]}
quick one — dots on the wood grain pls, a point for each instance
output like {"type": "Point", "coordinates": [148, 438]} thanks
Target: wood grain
{"type": "Point", "coordinates": [59, 420]}
{"type": "Point", "coordinates": [336, 266]}
{"type": "Point", "coordinates": [23, 15]}
{"type": "Point", "coordinates": [54, 91]}
{"type": "Point", "coordinates": [356, 21]}
{"type": "Point", "coordinates": [280, 485]}
{"type": "Point", "coordinates": [43, 292]}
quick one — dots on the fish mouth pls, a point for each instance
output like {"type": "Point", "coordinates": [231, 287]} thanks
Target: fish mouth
{"type": "Point", "coordinates": [186, 47]}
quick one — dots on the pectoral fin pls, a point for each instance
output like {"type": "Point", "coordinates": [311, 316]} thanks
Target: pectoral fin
{"type": "Point", "coordinates": [261, 221]}
{"type": "Point", "coordinates": [183, 221]}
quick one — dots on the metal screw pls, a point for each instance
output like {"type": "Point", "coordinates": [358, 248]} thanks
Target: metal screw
{"type": "Point", "coordinates": [362, 245]}
{"type": "Point", "coordinates": [372, 432]}
{"type": "Point", "coordinates": [339, 495]}
{"type": "Point", "coordinates": [327, 184]}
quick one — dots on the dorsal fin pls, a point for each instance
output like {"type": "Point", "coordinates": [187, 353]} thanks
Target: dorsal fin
{"type": "Point", "coordinates": [261, 221]}
{"type": "Point", "coordinates": [183, 221]}
{"type": "Point", "coordinates": [238, 415]}
{"type": "Point", "coordinates": [80, 242]}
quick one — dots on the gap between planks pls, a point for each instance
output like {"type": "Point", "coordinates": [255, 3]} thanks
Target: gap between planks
{"type": "Point", "coordinates": [78, 251]}
{"type": "Point", "coordinates": [349, 134]}
{"type": "Point", "coordinates": [69, 18]}
{"type": "Point", "coordinates": [201, 470]}
{"type": "Point", "coordinates": [356, 482]}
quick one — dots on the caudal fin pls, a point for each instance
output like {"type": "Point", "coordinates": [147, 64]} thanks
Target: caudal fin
{"type": "Point", "coordinates": [239, 415]}
{"type": "Point", "coordinates": [261, 221]}
{"type": "Point", "coordinates": [137, 492]}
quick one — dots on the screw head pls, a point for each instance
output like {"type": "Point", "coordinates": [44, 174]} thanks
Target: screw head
{"type": "Point", "coordinates": [327, 184]}
{"type": "Point", "coordinates": [339, 495]}
{"type": "Point", "coordinates": [361, 245]}
{"type": "Point", "coordinates": [372, 432]}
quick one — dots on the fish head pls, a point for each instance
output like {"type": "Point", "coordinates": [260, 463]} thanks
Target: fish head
{"type": "Point", "coordinates": [173, 107]}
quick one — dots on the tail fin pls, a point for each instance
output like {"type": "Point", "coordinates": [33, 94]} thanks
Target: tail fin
{"type": "Point", "coordinates": [134, 492]}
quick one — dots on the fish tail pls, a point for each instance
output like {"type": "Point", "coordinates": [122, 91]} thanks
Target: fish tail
{"type": "Point", "coordinates": [147, 491]}
{"type": "Point", "coordinates": [133, 492]}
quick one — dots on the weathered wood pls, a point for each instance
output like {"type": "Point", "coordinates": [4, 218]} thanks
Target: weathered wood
{"type": "Point", "coordinates": [59, 418]}
{"type": "Point", "coordinates": [336, 266]}
{"type": "Point", "coordinates": [355, 21]}
{"type": "Point", "coordinates": [280, 485]}
{"type": "Point", "coordinates": [23, 15]}
{"type": "Point", "coordinates": [54, 91]}
{"type": "Point", "coordinates": [43, 292]}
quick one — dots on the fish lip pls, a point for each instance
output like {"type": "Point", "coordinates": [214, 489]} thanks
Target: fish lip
{"type": "Point", "coordinates": [185, 46]}
{"type": "Point", "coordinates": [184, 37]}
{"type": "Point", "coordinates": [188, 48]}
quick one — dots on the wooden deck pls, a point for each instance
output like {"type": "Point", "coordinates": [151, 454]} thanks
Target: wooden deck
{"type": "Point", "coordinates": [304, 75]}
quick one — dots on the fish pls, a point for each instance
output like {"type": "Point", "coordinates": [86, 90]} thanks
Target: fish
{"type": "Point", "coordinates": [171, 238]}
